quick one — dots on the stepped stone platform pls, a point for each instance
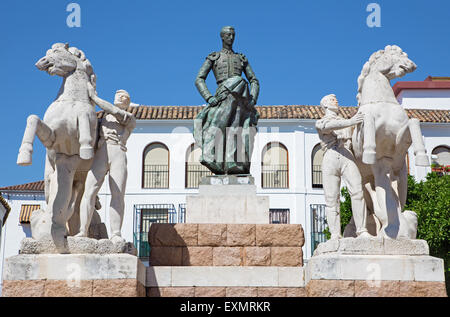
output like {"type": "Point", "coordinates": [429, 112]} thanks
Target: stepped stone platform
{"type": "Point", "coordinates": [74, 275]}
{"type": "Point", "coordinates": [226, 245]}
{"type": "Point", "coordinates": [225, 260]}
{"type": "Point", "coordinates": [77, 245]}
{"type": "Point", "coordinates": [367, 267]}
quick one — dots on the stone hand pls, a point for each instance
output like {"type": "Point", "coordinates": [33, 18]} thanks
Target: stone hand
{"type": "Point", "coordinates": [213, 101]}
{"type": "Point", "coordinates": [358, 118]}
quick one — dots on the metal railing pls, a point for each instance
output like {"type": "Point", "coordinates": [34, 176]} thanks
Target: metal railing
{"type": "Point", "coordinates": [279, 216]}
{"type": "Point", "coordinates": [318, 225]}
{"type": "Point", "coordinates": [156, 176]}
{"type": "Point", "coordinates": [194, 174]}
{"type": "Point", "coordinates": [144, 216]}
{"type": "Point", "coordinates": [274, 176]}
{"type": "Point", "coordinates": [317, 176]}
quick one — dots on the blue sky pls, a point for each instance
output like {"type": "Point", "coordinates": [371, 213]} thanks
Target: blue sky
{"type": "Point", "coordinates": [300, 50]}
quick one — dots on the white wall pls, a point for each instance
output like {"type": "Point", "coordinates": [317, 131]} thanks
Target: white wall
{"type": "Point", "coordinates": [13, 231]}
{"type": "Point", "coordinates": [425, 98]}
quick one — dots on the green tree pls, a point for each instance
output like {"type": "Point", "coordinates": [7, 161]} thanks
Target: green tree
{"type": "Point", "coordinates": [430, 199]}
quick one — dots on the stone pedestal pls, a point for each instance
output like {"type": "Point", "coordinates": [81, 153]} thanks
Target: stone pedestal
{"type": "Point", "coordinates": [225, 260]}
{"type": "Point", "coordinates": [74, 275]}
{"type": "Point", "coordinates": [359, 267]}
{"type": "Point", "coordinates": [227, 199]}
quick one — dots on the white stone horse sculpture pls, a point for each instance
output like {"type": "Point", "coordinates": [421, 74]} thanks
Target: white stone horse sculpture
{"type": "Point", "coordinates": [381, 143]}
{"type": "Point", "coordinates": [68, 131]}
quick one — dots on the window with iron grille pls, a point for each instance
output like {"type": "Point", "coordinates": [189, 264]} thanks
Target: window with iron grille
{"type": "Point", "coordinates": [275, 166]}
{"type": "Point", "coordinates": [194, 174]}
{"type": "Point", "coordinates": [144, 216]}
{"type": "Point", "coordinates": [317, 176]}
{"type": "Point", "coordinates": [316, 166]}
{"type": "Point", "coordinates": [318, 225]}
{"type": "Point", "coordinates": [155, 170]}
{"type": "Point", "coordinates": [279, 216]}
{"type": "Point", "coordinates": [156, 176]}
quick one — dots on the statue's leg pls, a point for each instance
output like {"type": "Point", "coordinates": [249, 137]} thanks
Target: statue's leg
{"type": "Point", "coordinates": [34, 127]}
{"type": "Point", "coordinates": [352, 179]}
{"type": "Point", "coordinates": [117, 183]}
{"type": "Point", "coordinates": [369, 146]}
{"type": "Point", "coordinates": [59, 197]}
{"type": "Point", "coordinates": [417, 141]}
{"type": "Point", "coordinates": [386, 198]}
{"type": "Point", "coordinates": [94, 181]}
{"type": "Point", "coordinates": [331, 188]}
{"type": "Point", "coordinates": [73, 223]}
{"type": "Point", "coordinates": [85, 137]}
{"type": "Point", "coordinates": [49, 170]}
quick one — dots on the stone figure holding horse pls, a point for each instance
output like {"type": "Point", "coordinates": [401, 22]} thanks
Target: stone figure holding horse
{"type": "Point", "coordinates": [68, 131]}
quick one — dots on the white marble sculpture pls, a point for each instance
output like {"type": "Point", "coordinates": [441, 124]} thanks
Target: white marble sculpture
{"type": "Point", "coordinates": [68, 132]}
{"type": "Point", "coordinates": [381, 143]}
{"type": "Point", "coordinates": [110, 157]}
{"type": "Point", "coordinates": [335, 134]}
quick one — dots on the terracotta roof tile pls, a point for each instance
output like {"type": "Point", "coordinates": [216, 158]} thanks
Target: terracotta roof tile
{"type": "Point", "coordinates": [7, 207]}
{"type": "Point", "coordinates": [34, 187]}
{"type": "Point", "coordinates": [272, 112]}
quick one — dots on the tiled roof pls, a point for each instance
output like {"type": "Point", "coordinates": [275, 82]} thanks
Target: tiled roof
{"type": "Point", "coordinates": [7, 207]}
{"type": "Point", "coordinates": [272, 112]}
{"type": "Point", "coordinates": [31, 187]}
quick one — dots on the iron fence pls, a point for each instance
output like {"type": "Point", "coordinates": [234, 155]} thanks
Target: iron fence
{"type": "Point", "coordinates": [275, 176]}
{"type": "Point", "coordinates": [144, 216]}
{"type": "Point", "coordinates": [181, 213]}
{"type": "Point", "coordinates": [156, 176]}
{"type": "Point", "coordinates": [279, 216]}
{"type": "Point", "coordinates": [194, 174]}
{"type": "Point", "coordinates": [317, 176]}
{"type": "Point", "coordinates": [318, 225]}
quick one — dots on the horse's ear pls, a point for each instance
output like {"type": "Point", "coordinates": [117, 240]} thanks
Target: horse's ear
{"type": "Point", "coordinates": [66, 46]}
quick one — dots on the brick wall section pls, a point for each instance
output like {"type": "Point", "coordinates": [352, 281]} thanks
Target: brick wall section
{"type": "Point", "coordinates": [226, 245]}
{"type": "Point", "coordinates": [85, 288]}
{"type": "Point", "coordinates": [316, 288]}
{"type": "Point", "coordinates": [226, 292]}
{"type": "Point", "coordinates": [360, 288]}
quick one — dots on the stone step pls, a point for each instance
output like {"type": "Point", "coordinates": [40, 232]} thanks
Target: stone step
{"type": "Point", "coordinates": [226, 245]}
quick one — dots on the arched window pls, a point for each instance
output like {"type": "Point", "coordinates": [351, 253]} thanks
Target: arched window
{"type": "Point", "coordinates": [316, 166]}
{"type": "Point", "coordinates": [195, 171]}
{"type": "Point", "coordinates": [440, 159]}
{"type": "Point", "coordinates": [156, 166]}
{"type": "Point", "coordinates": [275, 166]}
{"type": "Point", "coordinates": [441, 155]}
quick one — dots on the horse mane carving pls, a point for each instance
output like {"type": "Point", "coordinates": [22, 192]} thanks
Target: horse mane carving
{"type": "Point", "coordinates": [389, 49]}
{"type": "Point", "coordinates": [85, 63]}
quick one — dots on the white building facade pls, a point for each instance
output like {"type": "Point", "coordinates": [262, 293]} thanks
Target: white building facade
{"type": "Point", "coordinates": [163, 168]}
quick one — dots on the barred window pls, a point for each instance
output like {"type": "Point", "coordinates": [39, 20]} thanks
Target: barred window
{"type": "Point", "coordinates": [275, 166]}
{"type": "Point", "coordinates": [155, 166]}
{"type": "Point", "coordinates": [316, 166]}
{"type": "Point", "coordinates": [195, 171]}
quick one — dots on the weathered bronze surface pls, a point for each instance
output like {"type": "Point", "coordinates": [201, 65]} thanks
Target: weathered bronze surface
{"type": "Point", "coordinates": [226, 127]}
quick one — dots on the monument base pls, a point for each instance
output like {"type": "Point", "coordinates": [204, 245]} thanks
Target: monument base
{"type": "Point", "coordinates": [74, 275]}
{"type": "Point", "coordinates": [359, 267]}
{"type": "Point", "coordinates": [227, 199]}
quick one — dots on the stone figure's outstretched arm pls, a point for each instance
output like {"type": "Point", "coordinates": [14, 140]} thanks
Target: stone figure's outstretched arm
{"type": "Point", "coordinates": [328, 125]}
{"type": "Point", "coordinates": [121, 115]}
{"type": "Point", "coordinates": [200, 80]}
{"type": "Point", "coordinates": [254, 83]}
